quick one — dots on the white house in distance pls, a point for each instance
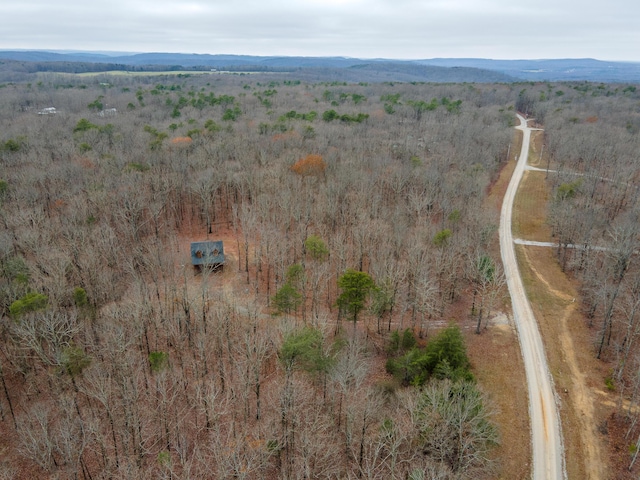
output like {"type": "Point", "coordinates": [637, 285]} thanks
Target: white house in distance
{"type": "Point", "coordinates": [108, 112]}
{"type": "Point", "coordinates": [48, 111]}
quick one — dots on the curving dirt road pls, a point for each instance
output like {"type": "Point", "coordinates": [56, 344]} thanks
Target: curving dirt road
{"type": "Point", "coordinates": [546, 437]}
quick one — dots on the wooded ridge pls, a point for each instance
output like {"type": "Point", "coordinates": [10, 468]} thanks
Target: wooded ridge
{"type": "Point", "coordinates": [342, 68]}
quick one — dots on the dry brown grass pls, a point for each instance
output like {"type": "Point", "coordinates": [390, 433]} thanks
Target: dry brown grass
{"type": "Point", "coordinates": [497, 363]}
{"type": "Point", "coordinates": [536, 149]}
{"type": "Point", "coordinates": [530, 208]}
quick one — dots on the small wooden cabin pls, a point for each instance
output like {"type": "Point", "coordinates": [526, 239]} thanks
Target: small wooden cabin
{"type": "Point", "coordinates": [207, 255]}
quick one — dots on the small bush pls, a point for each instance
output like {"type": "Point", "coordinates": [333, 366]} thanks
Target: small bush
{"type": "Point", "coordinates": [137, 167]}
{"type": "Point", "coordinates": [408, 340]}
{"type": "Point", "coordinates": [158, 361]}
{"type": "Point", "coordinates": [330, 115]}
{"type": "Point", "coordinates": [610, 383]}
{"type": "Point", "coordinates": [304, 350]}
{"type": "Point", "coordinates": [74, 360]}
{"type": "Point", "coordinates": [80, 297]}
{"type": "Point", "coordinates": [568, 190]}
{"type": "Point", "coordinates": [84, 125]}
{"type": "Point", "coordinates": [31, 302]}
{"type": "Point", "coordinates": [441, 238]}
{"type": "Point", "coordinates": [445, 356]}
{"type": "Point", "coordinates": [12, 145]}
{"type": "Point", "coordinates": [287, 299]}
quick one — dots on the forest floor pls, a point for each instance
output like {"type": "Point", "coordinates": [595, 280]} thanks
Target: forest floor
{"type": "Point", "coordinates": [584, 404]}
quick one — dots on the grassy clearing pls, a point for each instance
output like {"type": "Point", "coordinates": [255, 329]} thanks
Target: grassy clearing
{"type": "Point", "coordinates": [183, 73]}
{"type": "Point", "coordinates": [537, 157]}
{"type": "Point", "coordinates": [530, 208]}
{"type": "Point", "coordinates": [142, 74]}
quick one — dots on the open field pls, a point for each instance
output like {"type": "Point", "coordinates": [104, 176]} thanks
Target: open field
{"type": "Point", "coordinates": [144, 74]}
{"type": "Point", "coordinates": [178, 73]}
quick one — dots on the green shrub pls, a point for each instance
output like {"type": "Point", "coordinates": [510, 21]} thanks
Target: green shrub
{"type": "Point", "coordinates": [80, 297]}
{"type": "Point", "coordinates": [408, 340]}
{"type": "Point", "coordinates": [445, 356]}
{"type": "Point", "coordinates": [83, 125]}
{"type": "Point", "coordinates": [12, 145]}
{"type": "Point", "coordinates": [568, 190]}
{"type": "Point", "coordinates": [610, 383]}
{"type": "Point", "coordinates": [15, 269]}
{"type": "Point", "coordinates": [74, 360]}
{"type": "Point", "coordinates": [137, 167]}
{"type": "Point", "coordinates": [330, 115]}
{"type": "Point", "coordinates": [441, 238]}
{"type": "Point", "coordinates": [355, 287]}
{"type": "Point", "coordinates": [158, 361]}
{"type": "Point", "coordinates": [304, 350]}
{"type": "Point", "coordinates": [31, 302]}
{"type": "Point", "coordinates": [316, 248]}
{"type": "Point", "coordinates": [394, 342]}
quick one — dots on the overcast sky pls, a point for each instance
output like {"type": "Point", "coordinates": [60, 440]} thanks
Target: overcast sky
{"type": "Point", "coordinates": [406, 29]}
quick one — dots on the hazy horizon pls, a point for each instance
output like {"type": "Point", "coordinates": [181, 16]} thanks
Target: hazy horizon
{"type": "Point", "coordinates": [119, 53]}
{"type": "Point", "coordinates": [408, 29]}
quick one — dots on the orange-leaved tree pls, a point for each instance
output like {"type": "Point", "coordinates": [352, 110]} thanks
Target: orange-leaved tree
{"type": "Point", "coordinates": [312, 164]}
{"type": "Point", "coordinates": [181, 141]}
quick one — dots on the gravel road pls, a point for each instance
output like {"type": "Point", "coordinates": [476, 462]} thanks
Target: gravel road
{"type": "Point", "coordinates": [546, 437]}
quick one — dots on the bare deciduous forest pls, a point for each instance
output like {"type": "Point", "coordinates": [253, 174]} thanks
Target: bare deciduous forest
{"type": "Point", "coordinates": [360, 255]}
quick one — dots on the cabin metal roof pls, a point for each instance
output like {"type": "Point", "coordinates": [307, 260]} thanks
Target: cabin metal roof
{"type": "Point", "coordinates": [207, 253]}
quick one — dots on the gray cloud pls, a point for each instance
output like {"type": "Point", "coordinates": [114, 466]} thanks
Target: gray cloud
{"type": "Point", "coordinates": [357, 28]}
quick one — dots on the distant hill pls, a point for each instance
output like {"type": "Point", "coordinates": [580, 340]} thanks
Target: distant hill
{"type": "Point", "coordinates": [411, 72]}
{"type": "Point", "coordinates": [559, 69]}
{"type": "Point", "coordinates": [187, 60]}
{"type": "Point", "coordinates": [336, 68]}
